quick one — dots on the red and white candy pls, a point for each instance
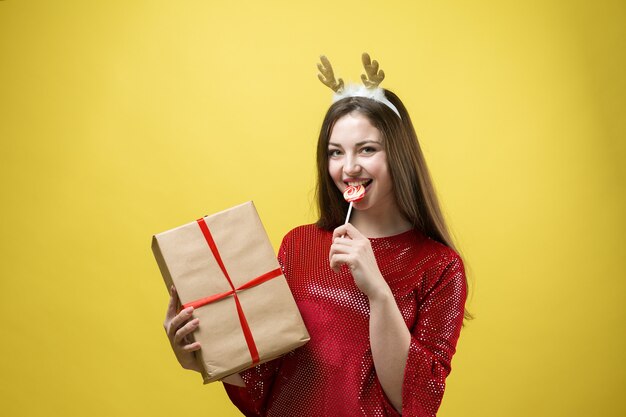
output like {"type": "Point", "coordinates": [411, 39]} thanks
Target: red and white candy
{"type": "Point", "coordinates": [354, 193]}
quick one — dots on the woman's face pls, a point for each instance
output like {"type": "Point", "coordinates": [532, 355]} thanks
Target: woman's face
{"type": "Point", "coordinates": [356, 155]}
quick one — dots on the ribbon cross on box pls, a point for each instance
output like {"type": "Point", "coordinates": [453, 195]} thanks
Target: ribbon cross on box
{"type": "Point", "coordinates": [254, 354]}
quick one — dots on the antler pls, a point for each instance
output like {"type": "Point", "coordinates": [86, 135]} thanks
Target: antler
{"type": "Point", "coordinates": [374, 76]}
{"type": "Point", "coordinates": [327, 76]}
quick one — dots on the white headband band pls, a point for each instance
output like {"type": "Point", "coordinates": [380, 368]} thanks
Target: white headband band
{"type": "Point", "coordinates": [356, 90]}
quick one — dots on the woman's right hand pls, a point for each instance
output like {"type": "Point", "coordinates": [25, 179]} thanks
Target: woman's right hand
{"type": "Point", "coordinates": [177, 327]}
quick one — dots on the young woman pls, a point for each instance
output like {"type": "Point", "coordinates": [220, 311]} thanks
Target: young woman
{"type": "Point", "coordinates": [382, 297]}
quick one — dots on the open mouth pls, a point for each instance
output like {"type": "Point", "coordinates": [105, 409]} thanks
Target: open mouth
{"type": "Point", "coordinates": [364, 183]}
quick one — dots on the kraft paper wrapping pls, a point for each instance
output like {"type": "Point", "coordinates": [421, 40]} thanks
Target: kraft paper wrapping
{"type": "Point", "coordinates": [186, 261]}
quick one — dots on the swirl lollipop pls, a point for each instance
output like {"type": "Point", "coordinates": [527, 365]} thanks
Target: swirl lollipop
{"type": "Point", "coordinates": [353, 194]}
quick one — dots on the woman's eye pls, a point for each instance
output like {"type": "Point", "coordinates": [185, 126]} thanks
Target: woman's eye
{"type": "Point", "coordinates": [334, 152]}
{"type": "Point", "coordinates": [368, 150]}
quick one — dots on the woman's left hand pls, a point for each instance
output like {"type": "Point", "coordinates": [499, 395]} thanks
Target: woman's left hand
{"type": "Point", "coordinates": [351, 248]}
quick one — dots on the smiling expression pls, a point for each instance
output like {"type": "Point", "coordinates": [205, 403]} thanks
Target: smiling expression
{"type": "Point", "coordinates": [356, 155]}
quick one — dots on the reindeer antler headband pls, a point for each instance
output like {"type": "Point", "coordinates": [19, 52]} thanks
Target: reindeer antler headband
{"type": "Point", "coordinates": [371, 79]}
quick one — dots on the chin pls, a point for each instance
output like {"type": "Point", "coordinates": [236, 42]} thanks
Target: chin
{"type": "Point", "coordinates": [362, 205]}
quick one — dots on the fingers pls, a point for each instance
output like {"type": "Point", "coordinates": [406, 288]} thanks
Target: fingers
{"type": "Point", "coordinates": [348, 247]}
{"type": "Point", "coordinates": [339, 245]}
{"type": "Point", "coordinates": [192, 347]}
{"type": "Point", "coordinates": [340, 231]}
{"type": "Point", "coordinates": [171, 307]}
{"type": "Point", "coordinates": [174, 324]}
{"type": "Point", "coordinates": [342, 245]}
{"type": "Point", "coordinates": [345, 245]}
{"type": "Point", "coordinates": [187, 329]}
{"type": "Point", "coordinates": [182, 317]}
{"type": "Point", "coordinates": [178, 327]}
{"type": "Point", "coordinates": [338, 259]}
{"type": "Point", "coordinates": [347, 230]}
{"type": "Point", "coordinates": [344, 242]}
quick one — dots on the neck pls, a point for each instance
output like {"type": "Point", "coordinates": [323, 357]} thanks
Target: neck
{"type": "Point", "coordinates": [373, 224]}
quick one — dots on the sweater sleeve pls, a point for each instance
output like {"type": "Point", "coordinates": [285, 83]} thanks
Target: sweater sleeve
{"type": "Point", "coordinates": [252, 400]}
{"type": "Point", "coordinates": [433, 340]}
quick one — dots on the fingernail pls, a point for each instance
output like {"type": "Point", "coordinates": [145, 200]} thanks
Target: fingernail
{"type": "Point", "coordinates": [189, 310]}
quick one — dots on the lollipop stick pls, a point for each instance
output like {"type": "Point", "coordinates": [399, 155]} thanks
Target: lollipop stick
{"type": "Point", "coordinates": [349, 211]}
{"type": "Point", "coordinates": [348, 216]}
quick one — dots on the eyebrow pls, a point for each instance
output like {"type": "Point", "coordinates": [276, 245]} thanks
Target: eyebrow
{"type": "Point", "coordinates": [356, 144]}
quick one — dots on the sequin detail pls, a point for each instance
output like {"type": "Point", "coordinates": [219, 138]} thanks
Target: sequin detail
{"type": "Point", "coordinates": [333, 374]}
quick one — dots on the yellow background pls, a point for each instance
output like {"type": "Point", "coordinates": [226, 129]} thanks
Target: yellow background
{"type": "Point", "coordinates": [120, 119]}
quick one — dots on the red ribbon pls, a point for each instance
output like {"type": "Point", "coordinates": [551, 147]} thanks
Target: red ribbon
{"type": "Point", "coordinates": [233, 291]}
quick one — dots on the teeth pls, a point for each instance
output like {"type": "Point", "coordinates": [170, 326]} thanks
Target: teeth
{"type": "Point", "coordinates": [356, 183]}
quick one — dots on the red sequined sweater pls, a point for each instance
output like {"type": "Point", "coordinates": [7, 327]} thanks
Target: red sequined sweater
{"type": "Point", "coordinates": [333, 374]}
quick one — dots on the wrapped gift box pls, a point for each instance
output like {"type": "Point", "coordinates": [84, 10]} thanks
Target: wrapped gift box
{"type": "Point", "coordinates": [209, 258]}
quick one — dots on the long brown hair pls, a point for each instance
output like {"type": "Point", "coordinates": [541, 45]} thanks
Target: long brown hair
{"type": "Point", "coordinates": [413, 188]}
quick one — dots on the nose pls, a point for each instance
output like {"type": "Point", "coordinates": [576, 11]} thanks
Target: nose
{"type": "Point", "coordinates": [351, 166]}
